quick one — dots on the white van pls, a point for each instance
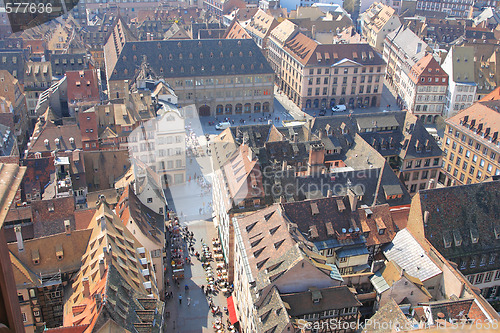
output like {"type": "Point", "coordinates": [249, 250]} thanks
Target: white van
{"type": "Point", "coordinates": [223, 126]}
{"type": "Point", "coordinates": [339, 108]}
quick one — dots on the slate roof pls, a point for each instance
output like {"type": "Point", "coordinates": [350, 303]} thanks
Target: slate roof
{"type": "Point", "coordinates": [330, 216]}
{"type": "Point", "coordinates": [333, 298]}
{"type": "Point", "coordinates": [418, 143]}
{"type": "Point", "coordinates": [457, 215]}
{"type": "Point", "coordinates": [68, 62]}
{"type": "Point", "coordinates": [172, 58]}
{"type": "Point", "coordinates": [49, 215]}
{"type": "Point", "coordinates": [38, 174]}
{"type": "Point", "coordinates": [13, 61]}
{"type": "Point", "coordinates": [408, 254]}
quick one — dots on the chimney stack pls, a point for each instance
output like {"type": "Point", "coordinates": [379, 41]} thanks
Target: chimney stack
{"type": "Point", "coordinates": [353, 200]}
{"type": "Point", "coordinates": [19, 237]}
{"type": "Point", "coordinates": [86, 287]}
{"type": "Point", "coordinates": [67, 227]}
{"type": "Point", "coordinates": [102, 221]}
{"type": "Point", "coordinates": [102, 267]}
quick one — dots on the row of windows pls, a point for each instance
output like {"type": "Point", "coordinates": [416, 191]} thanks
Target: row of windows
{"type": "Point", "coordinates": [343, 90]}
{"type": "Point", "coordinates": [418, 163]}
{"type": "Point", "coordinates": [221, 81]}
{"type": "Point", "coordinates": [329, 313]}
{"type": "Point", "coordinates": [346, 70]}
{"type": "Point", "coordinates": [483, 277]}
{"type": "Point", "coordinates": [369, 79]}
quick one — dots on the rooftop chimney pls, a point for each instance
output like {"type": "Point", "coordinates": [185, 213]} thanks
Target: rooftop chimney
{"type": "Point", "coordinates": [86, 287]}
{"type": "Point", "coordinates": [67, 227]}
{"type": "Point", "coordinates": [102, 267]}
{"type": "Point", "coordinates": [353, 200]}
{"type": "Point", "coordinates": [19, 237]}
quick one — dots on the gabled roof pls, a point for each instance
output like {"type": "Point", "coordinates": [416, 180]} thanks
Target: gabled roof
{"type": "Point", "coordinates": [309, 52]}
{"type": "Point", "coordinates": [408, 254]}
{"type": "Point", "coordinates": [388, 314]}
{"type": "Point", "coordinates": [69, 138]}
{"type": "Point", "coordinates": [409, 44]}
{"type": "Point", "coordinates": [333, 298]}
{"type": "Point", "coordinates": [266, 236]}
{"type": "Point", "coordinates": [71, 248]}
{"type": "Point", "coordinates": [115, 266]}
{"type": "Point", "coordinates": [261, 24]}
{"type": "Point", "coordinates": [392, 273]}
{"type": "Point", "coordinates": [243, 175]}
{"type": "Point", "coordinates": [484, 114]}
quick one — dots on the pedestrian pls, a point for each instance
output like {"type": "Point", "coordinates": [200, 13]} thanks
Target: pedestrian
{"type": "Point", "coordinates": [202, 288]}
{"type": "Point", "coordinates": [189, 300]}
{"type": "Point", "coordinates": [180, 299]}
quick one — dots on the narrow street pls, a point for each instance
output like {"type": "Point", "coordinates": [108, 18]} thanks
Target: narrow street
{"type": "Point", "coordinates": [192, 203]}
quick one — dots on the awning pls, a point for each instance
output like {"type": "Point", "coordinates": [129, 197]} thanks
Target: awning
{"type": "Point", "coordinates": [232, 311]}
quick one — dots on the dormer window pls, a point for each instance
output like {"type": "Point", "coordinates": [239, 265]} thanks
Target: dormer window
{"type": "Point", "coordinates": [457, 237]}
{"type": "Point", "coordinates": [447, 240]}
{"type": "Point", "coordinates": [497, 231]}
{"type": "Point", "coordinates": [474, 235]}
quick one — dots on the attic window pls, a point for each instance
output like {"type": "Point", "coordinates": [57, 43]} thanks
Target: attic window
{"type": "Point", "coordinates": [278, 244]}
{"type": "Point", "coordinates": [314, 209]}
{"type": "Point", "coordinates": [273, 230]}
{"type": "Point", "coordinates": [474, 235]}
{"type": "Point", "coordinates": [497, 231]}
{"type": "Point", "coordinates": [447, 240]}
{"type": "Point", "coordinates": [457, 237]}
{"type": "Point", "coordinates": [250, 227]}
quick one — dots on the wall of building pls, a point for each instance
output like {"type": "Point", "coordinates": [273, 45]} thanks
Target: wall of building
{"type": "Point", "coordinates": [403, 289]}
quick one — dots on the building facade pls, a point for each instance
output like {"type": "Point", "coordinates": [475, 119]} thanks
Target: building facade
{"type": "Point", "coordinates": [459, 65]}
{"type": "Point", "coordinates": [423, 89]}
{"type": "Point", "coordinates": [377, 22]}
{"type": "Point", "coordinates": [219, 76]}
{"type": "Point", "coordinates": [459, 8]}
{"type": "Point", "coordinates": [471, 145]}
{"type": "Point", "coordinates": [316, 76]}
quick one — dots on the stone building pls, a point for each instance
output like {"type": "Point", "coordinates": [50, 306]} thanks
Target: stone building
{"type": "Point", "coordinates": [218, 76]}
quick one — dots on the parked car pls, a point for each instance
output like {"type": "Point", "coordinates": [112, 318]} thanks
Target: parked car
{"type": "Point", "coordinates": [223, 126]}
{"type": "Point", "coordinates": [339, 108]}
{"type": "Point", "coordinates": [322, 112]}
